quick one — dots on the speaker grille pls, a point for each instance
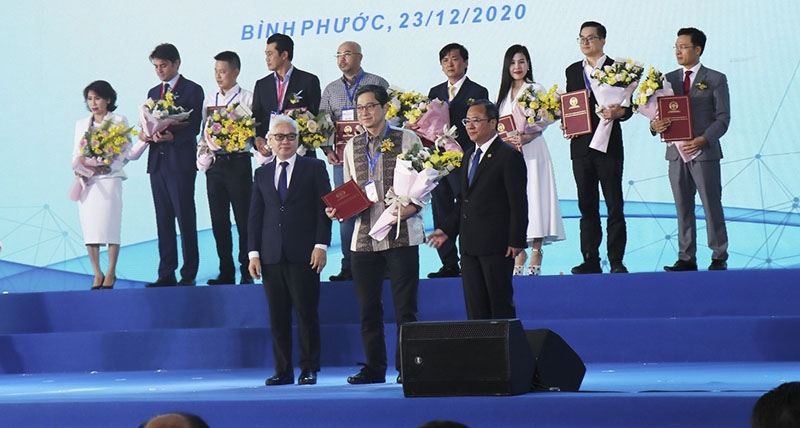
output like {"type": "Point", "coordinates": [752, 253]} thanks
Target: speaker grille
{"type": "Point", "coordinates": [463, 330]}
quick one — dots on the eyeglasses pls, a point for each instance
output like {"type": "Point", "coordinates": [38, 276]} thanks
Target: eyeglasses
{"type": "Point", "coordinates": [366, 107]}
{"type": "Point", "coordinates": [475, 121]}
{"type": "Point", "coordinates": [586, 40]}
{"type": "Point", "coordinates": [281, 137]}
{"type": "Point", "coordinates": [683, 47]}
{"type": "Point", "coordinates": [347, 54]}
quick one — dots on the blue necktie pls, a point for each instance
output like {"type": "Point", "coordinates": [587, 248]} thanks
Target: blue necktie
{"type": "Point", "coordinates": [474, 166]}
{"type": "Point", "coordinates": [283, 187]}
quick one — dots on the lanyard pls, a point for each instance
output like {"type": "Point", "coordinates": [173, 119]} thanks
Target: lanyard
{"type": "Point", "coordinates": [586, 80]}
{"type": "Point", "coordinates": [216, 100]}
{"type": "Point", "coordinates": [351, 95]}
{"type": "Point", "coordinates": [374, 162]}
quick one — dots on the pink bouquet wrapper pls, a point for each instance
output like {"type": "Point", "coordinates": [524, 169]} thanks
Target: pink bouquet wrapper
{"type": "Point", "coordinates": [607, 95]}
{"type": "Point", "coordinates": [521, 121]}
{"type": "Point", "coordinates": [433, 121]}
{"type": "Point", "coordinates": [447, 139]}
{"type": "Point", "coordinates": [410, 186]}
{"type": "Point", "coordinates": [85, 168]}
{"type": "Point", "coordinates": [151, 124]}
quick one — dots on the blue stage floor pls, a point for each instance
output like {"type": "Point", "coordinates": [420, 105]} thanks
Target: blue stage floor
{"type": "Point", "coordinates": [612, 394]}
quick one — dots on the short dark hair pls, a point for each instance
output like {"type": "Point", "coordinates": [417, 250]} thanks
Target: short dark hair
{"type": "Point", "coordinates": [698, 37]}
{"type": "Point", "coordinates": [601, 30]}
{"type": "Point", "coordinates": [231, 58]}
{"type": "Point", "coordinates": [194, 421]}
{"type": "Point", "coordinates": [283, 43]}
{"type": "Point", "coordinates": [778, 408]}
{"type": "Point", "coordinates": [380, 93]}
{"type": "Point", "coordinates": [167, 52]}
{"type": "Point", "coordinates": [104, 90]}
{"type": "Point", "coordinates": [453, 46]}
{"type": "Point", "coordinates": [491, 109]}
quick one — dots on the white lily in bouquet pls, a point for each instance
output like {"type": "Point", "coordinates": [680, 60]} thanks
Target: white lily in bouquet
{"type": "Point", "coordinates": [538, 108]}
{"type": "Point", "coordinates": [158, 115]}
{"type": "Point", "coordinates": [416, 174]}
{"type": "Point", "coordinates": [616, 84]}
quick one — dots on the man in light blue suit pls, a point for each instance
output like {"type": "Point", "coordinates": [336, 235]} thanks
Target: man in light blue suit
{"type": "Point", "coordinates": [711, 114]}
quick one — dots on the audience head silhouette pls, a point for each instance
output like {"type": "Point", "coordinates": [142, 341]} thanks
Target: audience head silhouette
{"type": "Point", "coordinates": [778, 408]}
{"type": "Point", "coordinates": [175, 420]}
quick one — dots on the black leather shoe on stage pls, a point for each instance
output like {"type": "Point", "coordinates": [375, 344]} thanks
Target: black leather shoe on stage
{"type": "Point", "coordinates": [162, 282]}
{"type": "Point", "coordinates": [344, 275]}
{"type": "Point", "coordinates": [587, 267]}
{"type": "Point", "coordinates": [446, 272]}
{"type": "Point", "coordinates": [400, 378]}
{"type": "Point", "coordinates": [186, 281]}
{"type": "Point", "coordinates": [246, 279]}
{"type": "Point", "coordinates": [366, 375]}
{"type": "Point", "coordinates": [307, 377]}
{"type": "Point", "coordinates": [718, 265]}
{"type": "Point", "coordinates": [221, 280]}
{"type": "Point", "coordinates": [681, 266]}
{"type": "Point", "coordinates": [618, 268]}
{"type": "Point", "coordinates": [280, 379]}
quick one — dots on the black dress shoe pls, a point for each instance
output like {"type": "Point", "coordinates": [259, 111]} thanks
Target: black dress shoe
{"type": "Point", "coordinates": [246, 279]}
{"type": "Point", "coordinates": [681, 266]}
{"type": "Point", "coordinates": [718, 265]}
{"type": "Point", "coordinates": [279, 379]}
{"type": "Point", "coordinates": [450, 271]}
{"type": "Point", "coordinates": [344, 275]}
{"type": "Point", "coordinates": [366, 375]}
{"type": "Point", "coordinates": [618, 268]}
{"type": "Point", "coordinates": [221, 280]}
{"type": "Point", "coordinates": [307, 377]}
{"type": "Point", "coordinates": [400, 378]}
{"type": "Point", "coordinates": [186, 281]}
{"type": "Point", "coordinates": [166, 281]}
{"type": "Point", "coordinates": [587, 267]}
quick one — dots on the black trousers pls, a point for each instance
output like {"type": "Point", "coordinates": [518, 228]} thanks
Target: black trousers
{"type": "Point", "coordinates": [173, 199]}
{"type": "Point", "coordinates": [229, 183]}
{"type": "Point", "coordinates": [443, 202]}
{"type": "Point", "coordinates": [488, 290]}
{"type": "Point", "coordinates": [291, 286]}
{"type": "Point", "coordinates": [368, 271]}
{"type": "Point", "coordinates": [589, 172]}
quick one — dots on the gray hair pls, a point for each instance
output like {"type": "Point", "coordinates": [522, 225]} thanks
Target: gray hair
{"type": "Point", "coordinates": [277, 120]}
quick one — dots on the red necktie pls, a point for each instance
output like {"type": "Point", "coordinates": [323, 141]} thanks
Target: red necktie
{"type": "Point", "coordinates": [687, 83]}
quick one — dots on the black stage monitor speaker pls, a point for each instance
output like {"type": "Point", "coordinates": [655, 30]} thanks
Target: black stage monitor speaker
{"type": "Point", "coordinates": [482, 357]}
{"type": "Point", "coordinates": [558, 366]}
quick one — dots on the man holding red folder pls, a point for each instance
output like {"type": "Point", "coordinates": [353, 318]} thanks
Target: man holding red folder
{"type": "Point", "coordinates": [710, 115]}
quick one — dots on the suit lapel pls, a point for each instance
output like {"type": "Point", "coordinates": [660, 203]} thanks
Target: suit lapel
{"type": "Point", "coordinates": [270, 177]}
{"type": "Point", "coordinates": [701, 76]}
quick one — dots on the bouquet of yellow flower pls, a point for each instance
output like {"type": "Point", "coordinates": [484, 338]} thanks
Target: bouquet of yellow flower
{"type": "Point", "coordinates": [616, 84]}
{"type": "Point", "coordinates": [654, 85]}
{"type": "Point", "coordinates": [229, 128]}
{"type": "Point", "coordinates": [313, 130]}
{"type": "Point", "coordinates": [104, 144]}
{"type": "Point", "coordinates": [539, 108]}
{"type": "Point", "coordinates": [405, 106]}
{"type": "Point", "coordinates": [158, 115]}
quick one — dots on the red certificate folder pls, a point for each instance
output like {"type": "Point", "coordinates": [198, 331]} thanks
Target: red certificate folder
{"type": "Point", "coordinates": [506, 127]}
{"type": "Point", "coordinates": [348, 199]}
{"type": "Point", "coordinates": [345, 129]}
{"type": "Point", "coordinates": [575, 113]}
{"type": "Point", "coordinates": [678, 110]}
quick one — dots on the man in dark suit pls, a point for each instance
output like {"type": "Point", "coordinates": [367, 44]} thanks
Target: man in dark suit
{"type": "Point", "coordinates": [289, 234]}
{"type": "Point", "coordinates": [711, 114]}
{"type": "Point", "coordinates": [286, 88]}
{"type": "Point", "coordinates": [489, 216]}
{"type": "Point", "coordinates": [591, 167]}
{"type": "Point", "coordinates": [458, 92]}
{"type": "Point", "coordinates": [172, 169]}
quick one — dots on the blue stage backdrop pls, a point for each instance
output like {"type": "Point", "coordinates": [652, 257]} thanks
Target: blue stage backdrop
{"type": "Point", "coordinates": [53, 49]}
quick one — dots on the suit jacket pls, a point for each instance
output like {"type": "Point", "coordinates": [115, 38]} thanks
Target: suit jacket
{"type": "Point", "coordinates": [492, 214]}
{"type": "Point", "coordinates": [290, 228]}
{"type": "Point", "coordinates": [579, 147]}
{"type": "Point", "coordinates": [711, 109]}
{"type": "Point", "coordinates": [458, 107]}
{"type": "Point", "coordinates": [265, 97]}
{"type": "Point", "coordinates": [179, 155]}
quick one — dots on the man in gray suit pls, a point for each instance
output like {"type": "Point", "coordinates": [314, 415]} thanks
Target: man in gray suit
{"type": "Point", "coordinates": [711, 114]}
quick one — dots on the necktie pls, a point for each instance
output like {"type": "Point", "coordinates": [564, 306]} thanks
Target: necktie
{"type": "Point", "coordinates": [476, 159]}
{"type": "Point", "coordinates": [164, 89]}
{"type": "Point", "coordinates": [283, 186]}
{"type": "Point", "coordinates": [451, 92]}
{"type": "Point", "coordinates": [687, 83]}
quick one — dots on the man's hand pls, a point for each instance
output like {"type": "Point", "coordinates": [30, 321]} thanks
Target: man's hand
{"type": "Point", "coordinates": [694, 145]}
{"type": "Point", "coordinates": [319, 258]}
{"type": "Point", "coordinates": [255, 268]}
{"type": "Point", "coordinates": [333, 159]}
{"type": "Point", "coordinates": [513, 251]}
{"type": "Point", "coordinates": [163, 136]}
{"type": "Point", "coordinates": [614, 111]}
{"type": "Point", "coordinates": [330, 212]}
{"type": "Point", "coordinates": [405, 212]}
{"type": "Point", "coordinates": [263, 147]}
{"type": "Point", "coordinates": [660, 125]}
{"type": "Point", "coordinates": [436, 239]}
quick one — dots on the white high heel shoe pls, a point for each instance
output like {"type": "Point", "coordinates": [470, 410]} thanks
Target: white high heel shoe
{"type": "Point", "coordinates": [518, 269]}
{"type": "Point", "coordinates": [535, 270]}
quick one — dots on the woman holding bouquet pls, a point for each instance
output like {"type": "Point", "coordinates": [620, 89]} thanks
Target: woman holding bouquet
{"type": "Point", "coordinates": [544, 215]}
{"type": "Point", "coordinates": [100, 201]}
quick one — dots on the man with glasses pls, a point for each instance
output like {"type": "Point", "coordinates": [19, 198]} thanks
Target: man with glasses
{"type": "Point", "coordinates": [288, 235]}
{"type": "Point", "coordinates": [490, 217]}
{"type": "Point", "coordinates": [369, 159]}
{"type": "Point", "coordinates": [711, 113]}
{"type": "Point", "coordinates": [338, 99]}
{"type": "Point", "coordinates": [592, 168]}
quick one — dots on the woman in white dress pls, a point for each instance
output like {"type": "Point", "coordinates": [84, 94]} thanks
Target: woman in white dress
{"type": "Point", "coordinates": [544, 215]}
{"type": "Point", "coordinates": [100, 203]}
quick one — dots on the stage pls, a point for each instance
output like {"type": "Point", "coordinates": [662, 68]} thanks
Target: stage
{"type": "Point", "coordinates": [661, 350]}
